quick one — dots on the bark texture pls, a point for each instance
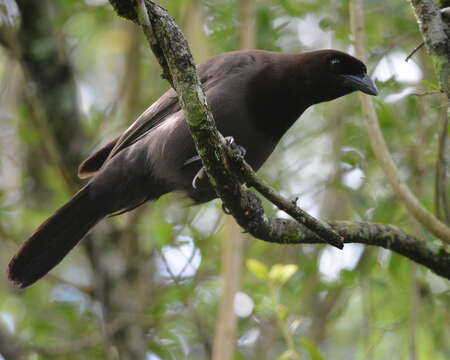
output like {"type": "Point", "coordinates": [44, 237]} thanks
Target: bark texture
{"type": "Point", "coordinates": [435, 29]}
{"type": "Point", "coordinates": [173, 54]}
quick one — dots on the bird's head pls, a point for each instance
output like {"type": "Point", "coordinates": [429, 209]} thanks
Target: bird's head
{"type": "Point", "coordinates": [334, 74]}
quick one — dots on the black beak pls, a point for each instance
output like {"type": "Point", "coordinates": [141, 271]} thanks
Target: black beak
{"type": "Point", "coordinates": [362, 83]}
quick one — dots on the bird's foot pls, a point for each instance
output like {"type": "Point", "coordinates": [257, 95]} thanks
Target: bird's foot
{"type": "Point", "coordinates": [201, 174]}
{"type": "Point", "coordinates": [237, 149]}
{"type": "Point", "coordinates": [225, 209]}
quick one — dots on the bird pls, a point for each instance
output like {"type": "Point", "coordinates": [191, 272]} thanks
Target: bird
{"type": "Point", "coordinates": [255, 96]}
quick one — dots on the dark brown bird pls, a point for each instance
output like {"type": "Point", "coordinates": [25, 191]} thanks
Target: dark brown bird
{"type": "Point", "coordinates": [255, 96]}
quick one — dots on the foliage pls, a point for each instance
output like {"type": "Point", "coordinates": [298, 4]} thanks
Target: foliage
{"type": "Point", "coordinates": [308, 302]}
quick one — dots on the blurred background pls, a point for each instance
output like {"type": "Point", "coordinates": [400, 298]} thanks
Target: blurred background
{"type": "Point", "coordinates": [156, 283]}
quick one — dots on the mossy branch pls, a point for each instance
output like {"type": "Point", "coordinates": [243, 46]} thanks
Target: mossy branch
{"type": "Point", "coordinates": [245, 206]}
{"type": "Point", "coordinates": [380, 149]}
{"type": "Point", "coordinates": [434, 24]}
{"type": "Point", "coordinates": [172, 52]}
{"type": "Point", "coordinates": [435, 28]}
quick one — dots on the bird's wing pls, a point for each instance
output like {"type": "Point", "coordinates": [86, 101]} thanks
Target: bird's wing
{"type": "Point", "coordinates": [95, 161]}
{"type": "Point", "coordinates": [148, 120]}
{"type": "Point", "coordinates": [154, 115]}
{"type": "Point", "coordinates": [210, 72]}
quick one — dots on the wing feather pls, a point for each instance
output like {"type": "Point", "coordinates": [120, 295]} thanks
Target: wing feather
{"type": "Point", "coordinates": [211, 73]}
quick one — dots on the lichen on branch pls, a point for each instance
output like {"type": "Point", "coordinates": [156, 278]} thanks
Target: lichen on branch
{"type": "Point", "coordinates": [435, 30]}
{"type": "Point", "coordinates": [176, 60]}
{"type": "Point", "coordinates": [174, 56]}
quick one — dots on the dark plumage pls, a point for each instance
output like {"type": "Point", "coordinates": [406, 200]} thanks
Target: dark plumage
{"type": "Point", "coordinates": [255, 96]}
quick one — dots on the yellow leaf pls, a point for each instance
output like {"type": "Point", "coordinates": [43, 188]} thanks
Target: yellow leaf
{"type": "Point", "coordinates": [281, 273]}
{"type": "Point", "coordinates": [258, 268]}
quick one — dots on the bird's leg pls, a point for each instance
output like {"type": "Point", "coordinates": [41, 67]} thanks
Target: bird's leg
{"type": "Point", "coordinates": [229, 140]}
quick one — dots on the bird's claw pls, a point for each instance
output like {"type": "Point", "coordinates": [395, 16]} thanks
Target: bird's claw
{"type": "Point", "coordinates": [237, 149]}
{"type": "Point", "coordinates": [226, 210]}
{"type": "Point", "coordinates": [199, 176]}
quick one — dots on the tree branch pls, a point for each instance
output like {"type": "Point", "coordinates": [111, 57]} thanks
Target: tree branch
{"type": "Point", "coordinates": [401, 189]}
{"type": "Point", "coordinates": [434, 257]}
{"type": "Point", "coordinates": [248, 176]}
{"type": "Point", "coordinates": [436, 33]}
{"type": "Point", "coordinates": [244, 204]}
{"type": "Point", "coordinates": [434, 24]}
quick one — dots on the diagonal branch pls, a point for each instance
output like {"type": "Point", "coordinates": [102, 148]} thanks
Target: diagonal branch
{"type": "Point", "coordinates": [244, 204]}
{"type": "Point", "coordinates": [401, 189]}
{"type": "Point", "coordinates": [249, 177]}
{"type": "Point", "coordinates": [163, 33]}
{"type": "Point", "coordinates": [434, 24]}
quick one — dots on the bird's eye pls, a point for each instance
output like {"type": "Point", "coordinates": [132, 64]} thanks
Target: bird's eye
{"type": "Point", "coordinates": [335, 61]}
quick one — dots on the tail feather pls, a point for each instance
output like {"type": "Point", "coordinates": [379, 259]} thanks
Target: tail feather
{"type": "Point", "coordinates": [54, 239]}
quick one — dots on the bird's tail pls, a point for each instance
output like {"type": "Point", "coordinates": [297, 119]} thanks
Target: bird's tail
{"type": "Point", "coordinates": [54, 239]}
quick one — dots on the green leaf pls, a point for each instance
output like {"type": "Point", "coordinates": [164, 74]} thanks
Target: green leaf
{"type": "Point", "coordinates": [431, 85]}
{"type": "Point", "coordinates": [282, 311]}
{"type": "Point", "coordinates": [288, 354]}
{"type": "Point", "coordinates": [312, 349]}
{"type": "Point", "coordinates": [258, 268]}
{"type": "Point", "coordinates": [281, 273]}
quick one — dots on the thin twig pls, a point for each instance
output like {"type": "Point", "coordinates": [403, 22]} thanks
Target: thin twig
{"type": "Point", "coordinates": [317, 226]}
{"type": "Point", "coordinates": [416, 49]}
{"type": "Point", "coordinates": [401, 189]}
{"type": "Point", "coordinates": [424, 93]}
